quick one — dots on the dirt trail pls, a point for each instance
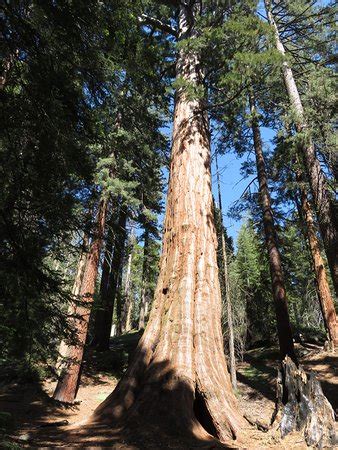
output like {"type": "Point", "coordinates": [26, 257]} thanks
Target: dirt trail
{"type": "Point", "coordinates": [31, 407]}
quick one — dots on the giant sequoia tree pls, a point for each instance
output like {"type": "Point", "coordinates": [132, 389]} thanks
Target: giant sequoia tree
{"type": "Point", "coordinates": [178, 376]}
{"type": "Point", "coordinates": [88, 89]}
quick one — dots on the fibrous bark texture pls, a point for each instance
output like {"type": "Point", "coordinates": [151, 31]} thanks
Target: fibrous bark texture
{"type": "Point", "coordinates": [301, 405]}
{"type": "Point", "coordinates": [178, 379]}
{"type": "Point", "coordinates": [323, 288]}
{"type": "Point", "coordinates": [67, 386]}
{"type": "Point", "coordinates": [323, 200]}
{"type": "Point", "coordinates": [277, 279]}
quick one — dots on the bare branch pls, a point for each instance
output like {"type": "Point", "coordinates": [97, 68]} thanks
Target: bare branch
{"type": "Point", "coordinates": [147, 20]}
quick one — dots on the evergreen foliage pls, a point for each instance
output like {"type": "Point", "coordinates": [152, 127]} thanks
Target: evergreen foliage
{"type": "Point", "coordinates": [87, 94]}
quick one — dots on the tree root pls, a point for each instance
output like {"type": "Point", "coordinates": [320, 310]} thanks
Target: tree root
{"type": "Point", "coordinates": [256, 423]}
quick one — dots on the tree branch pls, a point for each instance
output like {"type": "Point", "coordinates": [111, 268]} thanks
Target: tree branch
{"type": "Point", "coordinates": [147, 20]}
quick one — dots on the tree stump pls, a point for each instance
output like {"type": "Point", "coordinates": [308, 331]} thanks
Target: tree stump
{"type": "Point", "coordinates": [302, 406]}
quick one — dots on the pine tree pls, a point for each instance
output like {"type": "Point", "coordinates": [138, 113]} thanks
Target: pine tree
{"type": "Point", "coordinates": [249, 274]}
{"type": "Point", "coordinates": [105, 309]}
{"type": "Point", "coordinates": [277, 278]}
{"type": "Point", "coordinates": [226, 287]}
{"type": "Point", "coordinates": [320, 190]}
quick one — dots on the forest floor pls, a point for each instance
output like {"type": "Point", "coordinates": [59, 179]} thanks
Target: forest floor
{"type": "Point", "coordinates": [33, 415]}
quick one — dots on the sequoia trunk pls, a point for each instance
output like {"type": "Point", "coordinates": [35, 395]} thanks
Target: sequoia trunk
{"type": "Point", "coordinates": [178, 379]}
{"type": "Point", "coordinates": [278, 288]}
{"type": "Point", "coordinates": [67, 386]}
{"type": "Point", "coordinates": [323, 201]}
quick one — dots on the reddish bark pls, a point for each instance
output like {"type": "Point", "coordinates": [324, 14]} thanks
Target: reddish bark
{"type": "Point", "coordinates": [323, 288]}
{"type": "Point", "coordinates": [278, 287]}
{"type": "Point", "coordinates": [67, 386]}
{"type": "Point", "coordinates": [324, 202]}
{"type": "Point", "coordinates": [81, 267]}
{"type": "Point", "coordinates": [178, 379]}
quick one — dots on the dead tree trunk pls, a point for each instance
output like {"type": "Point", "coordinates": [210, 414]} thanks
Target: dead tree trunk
{"type": "Point", "coordinates": [323, 288]}
{"type": "Point", "coordinates": [178, 379]}
{"type": "Point", "coordinates": [276, 271]}
{"type": "Point", "coordinates": [300, 404]}
{"type": "Point", "coordinates": [67, 386]}
{"type": "Point", "coordinates": [128, 301]}
{"type": "Point", "coordinates": [323, 200]}
{"type": "Point", "coordinates": [145, 272]}
{"type": "Point", "coordinates": [104, 315]}
{"type": "Point", "coordinates": [232, 359]}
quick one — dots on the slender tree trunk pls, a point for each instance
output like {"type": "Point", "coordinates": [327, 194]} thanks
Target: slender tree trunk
{"type": "Point", "coordinates": [81, 267]}
{"type": "Point", "coordinates": [323, 200]}
{"type": "Point", "coordinates": [323, 288]}
{"type": "Point", "coordinates": [178, 379]}
{"type": "Point", "coordinates": [104, 295]}
{"type": "Point", "coordinates": [232, 359]}
{"type": "Point", "coordinates": [278, 288]}
{"type": "Point", "coordinates": [118, 305]}
{"type": "Point", "coordinates": [301, 404]}
{"type": "Point", "coordinates": [144, 294]}
{"type": "Point", "coordinates": [128, 301]}
{"type": "Point", "coordinates": [67, 386]}
{"type": "Point", "coordinates": [104, 316]}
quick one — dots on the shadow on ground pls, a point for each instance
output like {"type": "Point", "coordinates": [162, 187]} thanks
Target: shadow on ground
{"type": "Point", "coordinates": [259, 371]}
{"type": "Point", "coordinates": [31, 409]}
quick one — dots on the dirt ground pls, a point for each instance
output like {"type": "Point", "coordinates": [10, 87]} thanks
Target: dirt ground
{"type": "Point", "coordinates": [33, 412]}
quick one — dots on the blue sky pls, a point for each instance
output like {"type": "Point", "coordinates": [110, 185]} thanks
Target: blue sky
{"type": "Point", "coordinates": [233, 184]}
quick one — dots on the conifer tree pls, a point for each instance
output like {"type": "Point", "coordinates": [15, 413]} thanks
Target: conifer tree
{"type": "Point", "coordinates": [184, 323]}
{"type": "Point", "coordinates": [117, 176]}
{"type": "Point", "coordinates": [320, 190]}
{"type": "Point", "coordinates": [224, 271]}
{"type": "Point", "coordinates": [291, 177]}
{"type": "Point", "coordinates": [277, 278]}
